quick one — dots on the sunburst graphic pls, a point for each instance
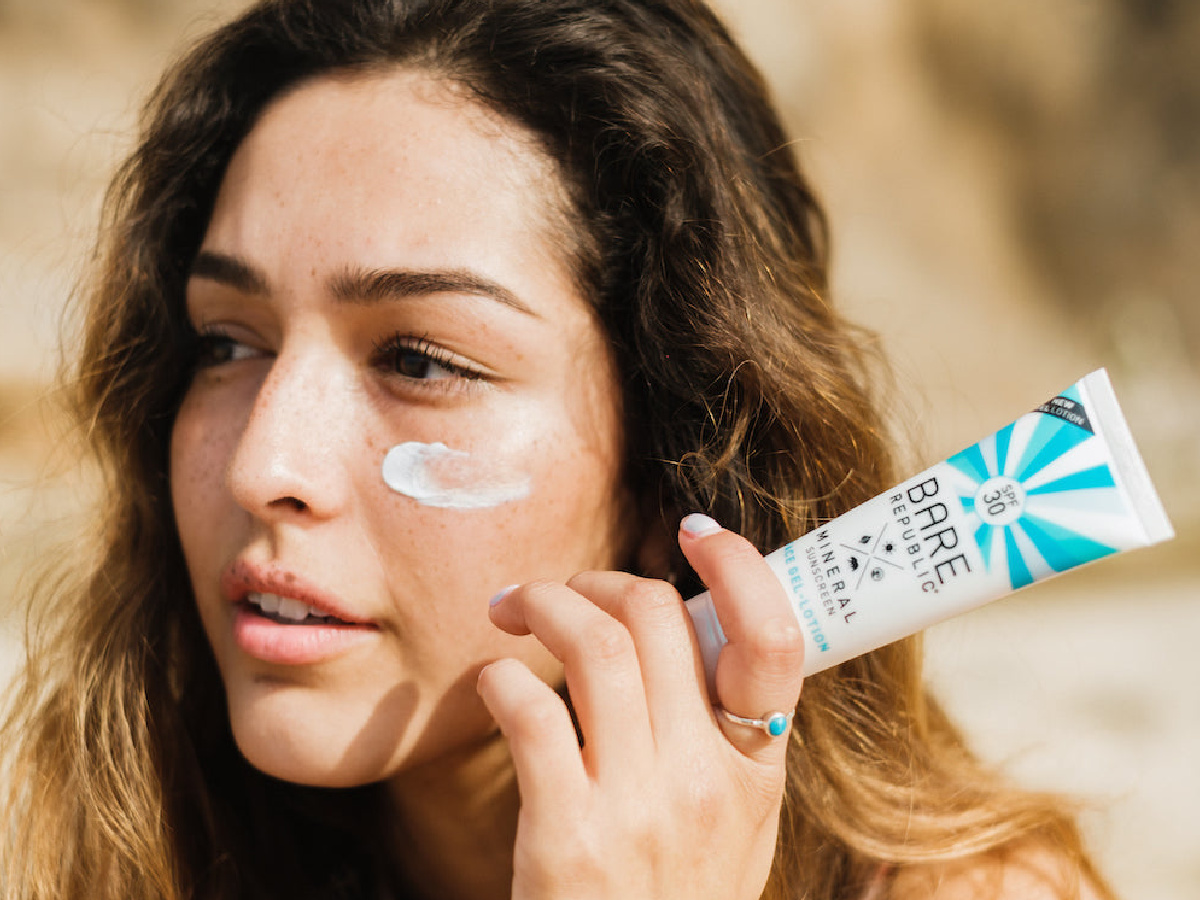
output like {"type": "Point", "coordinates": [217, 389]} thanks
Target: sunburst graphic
{"type": "Point", "coordinates": [1040, 495]}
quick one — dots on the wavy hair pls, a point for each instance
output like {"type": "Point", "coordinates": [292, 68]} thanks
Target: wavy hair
{"type": "Point", "coordinates": [703, 250]}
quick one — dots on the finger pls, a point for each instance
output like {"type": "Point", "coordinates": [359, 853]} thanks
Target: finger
{"type": "Point", "coordinates": [599, 662]}
{"type": "Point", "coordinates": [540, 734]}
{"type": "Point", "coordinates": [667, 654]}
{"type": "Point", "coordinates": [760, 669]}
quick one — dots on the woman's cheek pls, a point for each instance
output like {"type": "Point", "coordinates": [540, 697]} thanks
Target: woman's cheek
{"type": "Point", "coordinates": [206, 431]}
{"type": "Point", "coordinates": [437, 475]}
{"type": "Point", "coordinates": [198, 458]}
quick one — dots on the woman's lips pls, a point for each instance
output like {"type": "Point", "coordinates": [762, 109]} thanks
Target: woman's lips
{"type": "Point", "coordinates": [281, 618]}
{"type": "Point", "coordinates": [294, 643]}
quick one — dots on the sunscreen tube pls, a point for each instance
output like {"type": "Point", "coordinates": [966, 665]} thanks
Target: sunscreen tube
{"type": "Point", "coordinates": [1061, 486]}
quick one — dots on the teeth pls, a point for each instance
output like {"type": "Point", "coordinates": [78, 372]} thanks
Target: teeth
{"type": "Point", "coordinates": [284, 607]}
{"type": "Point", "coordinates": [293, 609]}
{"type": "Point", "coordinates": [266, 602]}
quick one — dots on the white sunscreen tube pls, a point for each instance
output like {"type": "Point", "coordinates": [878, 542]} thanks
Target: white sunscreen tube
{"type": "Point", "coordinates": [1061, 486]}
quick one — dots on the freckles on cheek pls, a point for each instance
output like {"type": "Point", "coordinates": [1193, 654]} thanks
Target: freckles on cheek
{"type": "Point", "coordinates": [197, 465]}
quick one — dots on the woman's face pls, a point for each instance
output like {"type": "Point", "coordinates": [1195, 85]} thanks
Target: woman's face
{"type": "Point", "coordinates": [383, 267]}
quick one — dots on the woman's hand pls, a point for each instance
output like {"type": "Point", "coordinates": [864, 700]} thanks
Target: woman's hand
{"type": "Point", "coordinates": [665, 798]}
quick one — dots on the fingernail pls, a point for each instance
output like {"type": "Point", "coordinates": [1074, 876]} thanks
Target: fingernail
{"type": "Point", "coordinates": [501, 594]}
{"type": "Point", "coordinates": [699, 525]}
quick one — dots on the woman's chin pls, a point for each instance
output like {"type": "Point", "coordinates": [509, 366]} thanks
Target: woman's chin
{"type": "Point", "coordinates": [309, 771]}
{"type": "Point", "coordinates": [323, 740]}
{"type": "Point", "coordinates": [340, 739]}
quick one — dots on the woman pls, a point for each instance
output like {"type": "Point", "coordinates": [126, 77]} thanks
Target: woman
{"type": "Point", "coordinates": [405, 305]}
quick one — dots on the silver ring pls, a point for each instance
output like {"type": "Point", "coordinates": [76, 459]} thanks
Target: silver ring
{"type": "Point", "coordinates": [772, 724]}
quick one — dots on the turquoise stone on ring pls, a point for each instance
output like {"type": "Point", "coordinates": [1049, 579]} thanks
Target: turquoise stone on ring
{"type": "Point", "coordinates": [776, 724]}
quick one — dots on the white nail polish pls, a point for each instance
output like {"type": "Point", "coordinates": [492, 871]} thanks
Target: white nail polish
{"type": "Point", "coordinates": [699, 525]}
{"type": "Point", "coordinates": [501, 594]}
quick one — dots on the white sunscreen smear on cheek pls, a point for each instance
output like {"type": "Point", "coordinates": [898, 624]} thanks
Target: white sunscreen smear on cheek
{"type": "Point", "coordinates": [437, 475]}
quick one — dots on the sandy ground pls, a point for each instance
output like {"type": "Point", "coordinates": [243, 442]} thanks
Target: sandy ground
{"type": "Point", "coordinates": [1088, 686]}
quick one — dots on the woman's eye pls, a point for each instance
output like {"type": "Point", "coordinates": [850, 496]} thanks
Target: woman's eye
{"type": "Point", "coordinates": [419, 360]}
{"type": "Point", "coordinates": [217, 349]}
{"type": "Point", "coordinates": [412, 363]}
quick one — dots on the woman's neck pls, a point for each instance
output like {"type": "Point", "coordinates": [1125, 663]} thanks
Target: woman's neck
{"type": "Point", "coordinates": [457, 823]}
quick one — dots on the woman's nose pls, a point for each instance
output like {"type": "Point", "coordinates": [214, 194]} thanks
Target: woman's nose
{"type": "Point", "coordinates": [291, 456]}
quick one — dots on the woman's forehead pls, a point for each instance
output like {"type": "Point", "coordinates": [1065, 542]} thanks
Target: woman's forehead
{"type": "Point", "coordinates": [379, 171]}
{"type": "Point", "coordinates": [395, 130]}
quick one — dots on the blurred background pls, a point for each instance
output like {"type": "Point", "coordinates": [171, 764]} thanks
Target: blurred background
{"type": "Point", "coordinates": [1015, 197]}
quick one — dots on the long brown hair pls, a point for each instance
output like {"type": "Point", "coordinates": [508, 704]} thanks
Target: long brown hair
{"type": "Point", "coordinates": [703, 250]}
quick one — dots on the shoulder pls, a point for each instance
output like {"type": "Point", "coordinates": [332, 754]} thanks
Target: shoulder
{"type": "Point", "coordinates": [1026, 874]}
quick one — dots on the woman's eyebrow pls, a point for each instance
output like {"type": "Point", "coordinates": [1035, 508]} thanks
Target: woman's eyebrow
{"type": "Point", "coordinates": [229, 270]}
{"type": "Point", "coordinates": [362, 285]}
{"type": "Point", "coordinates": [374, 285]}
